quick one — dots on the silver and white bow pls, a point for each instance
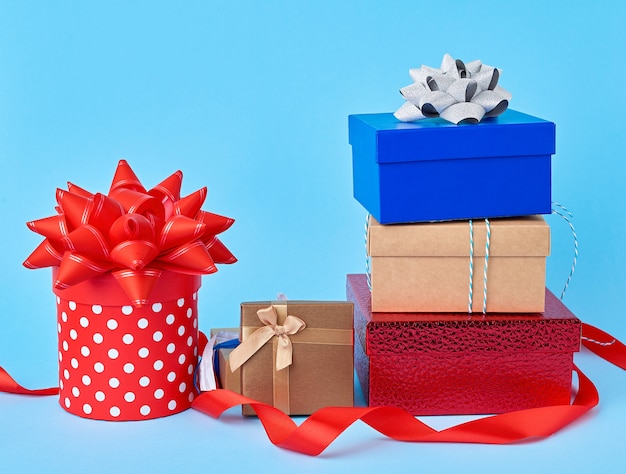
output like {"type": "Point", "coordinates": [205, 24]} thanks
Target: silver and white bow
{"type": "Point", "coordinates": [456, 92]}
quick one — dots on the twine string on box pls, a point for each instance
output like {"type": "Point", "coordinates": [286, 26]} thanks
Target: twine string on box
{"type": "Point", "coordinates": [487, 245]}
{"type": "Point", "coordinates": [471, 266]}
{"type": "Point", "coordinates": [600, 343]}
{"type": "Point", "coordinates": [567, 216]}
{"type": "Point", "coordinates": [368, 271]}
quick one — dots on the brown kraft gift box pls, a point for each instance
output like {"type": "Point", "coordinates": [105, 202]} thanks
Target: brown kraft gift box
{"type": "Point", "coordinates": [322, 369]}
{"type": "Point", "coordinates": [425, 267]}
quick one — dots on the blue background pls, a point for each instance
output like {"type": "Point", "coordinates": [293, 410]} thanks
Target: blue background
{"type": "Point", "coordinates": [251, 99]}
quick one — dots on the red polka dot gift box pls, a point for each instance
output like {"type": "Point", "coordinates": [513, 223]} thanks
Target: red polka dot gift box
{"type": "Point", "coordinates": [127, 268]}
{"type": "Point", "coordinates": [120, 362]}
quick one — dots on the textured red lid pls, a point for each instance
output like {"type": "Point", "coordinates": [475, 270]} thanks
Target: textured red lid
{"type": "Point", "coordinates": [555, 330]}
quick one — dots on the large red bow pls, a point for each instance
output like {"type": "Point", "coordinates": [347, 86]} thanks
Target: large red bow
{"type": "Point", "coordinates": [132, 233]}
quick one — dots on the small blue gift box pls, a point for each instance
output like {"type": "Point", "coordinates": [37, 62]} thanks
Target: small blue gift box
{"type": "Point", "coordinates": [432, 170]}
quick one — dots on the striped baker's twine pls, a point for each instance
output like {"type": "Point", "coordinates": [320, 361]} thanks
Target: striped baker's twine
{"type": "Point", "coordinates": [566, 215]}
{"type": "Point", "coordinates": [557, 209]}
{"type": "Point", "coordinates": [471, 266]}
{"type": "Point", "coordinates": [486, 266]}
{"type": "Point", "coordinates": [600, 343]}
{"type": "Point", "coordinates": [368, 271]}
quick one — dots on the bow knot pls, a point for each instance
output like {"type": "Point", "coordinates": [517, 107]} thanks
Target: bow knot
{"type": "Point", "coordinates": [456, 92]}
{"type": "Point", "coordinates": [131, 233]}
{"type": "Point", "coordinates": [284, 351]}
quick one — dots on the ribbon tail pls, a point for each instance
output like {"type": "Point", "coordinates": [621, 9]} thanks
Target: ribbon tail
{"type": "Point", "coordinates": [249, 347]}
{"type": "Point", "coordinates": [284, 353]}
{"type": "Point", "coordinates": [604, 345]}
{"type": "Point", "coordinates": [9, 385]}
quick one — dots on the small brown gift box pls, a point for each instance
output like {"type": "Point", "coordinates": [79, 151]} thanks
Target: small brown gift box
{"type": "Point", "coordinates": [424, 267]}
{"type": "Point", "coordinates": [322, 370]}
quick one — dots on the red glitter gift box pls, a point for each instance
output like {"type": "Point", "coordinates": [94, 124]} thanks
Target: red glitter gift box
{"type": "Point", "coordinates": [454, 363]}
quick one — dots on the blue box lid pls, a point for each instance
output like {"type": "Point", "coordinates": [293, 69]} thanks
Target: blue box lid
{"type": "Point", "coordinates": [510, 134]}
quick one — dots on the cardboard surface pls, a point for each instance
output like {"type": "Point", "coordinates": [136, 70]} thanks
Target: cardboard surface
{"type": "Point", "coordinates": [425, 267]}
{"type": "Point", "coordinates": [322, 370]}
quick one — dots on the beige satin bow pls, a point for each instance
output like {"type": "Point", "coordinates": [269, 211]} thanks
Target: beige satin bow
{"type": "Point", "coordinates": [261, 336]}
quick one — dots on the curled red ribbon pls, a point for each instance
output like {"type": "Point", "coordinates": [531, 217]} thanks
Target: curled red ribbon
{"type": "Point", "coordinates": [132, 233]}
{"type": "Point", "coordinates": [318, 431]}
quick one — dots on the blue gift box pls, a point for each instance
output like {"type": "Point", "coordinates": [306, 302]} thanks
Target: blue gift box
{"type": "Point", "coordinates": [433, 170]}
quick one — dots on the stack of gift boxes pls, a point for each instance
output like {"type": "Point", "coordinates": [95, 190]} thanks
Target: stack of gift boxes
{"type": "Point", "coordinates": [453, 316]}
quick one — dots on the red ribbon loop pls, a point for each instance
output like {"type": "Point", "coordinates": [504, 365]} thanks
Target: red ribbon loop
{"type": "Point", "coordinates": [126, 178]}
{"type": "Point", "coordinates": [88, 241]}
{"type": "Point", "coordinates": [168, 190]}
{"type": "Point", "coordinates": [135, 202]}
{"type": "Point", "coordinates": [193, 258]}
{"type": "Point", "coordinates": [190, 205]}
{"type": "Point", "coordinates": [178, 229]}
{"type": "Point", "coordinates": [105, 211]}
{"type": "Point", "coordinates": [47, 254]}
{"type": "Point", "coordinates": [52, 227]}
{"type": "Point", "coordinates": [215, 224]}
{"type": "Point", "coordinates": [131, 227]}
{"type": "Point", "coordinates": [218, 251]}
{"type": "Point", "coordinates": [76, 208]}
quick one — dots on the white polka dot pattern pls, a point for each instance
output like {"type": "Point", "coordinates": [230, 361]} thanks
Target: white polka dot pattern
{"type": "Point", "coordinates": [124, 363]}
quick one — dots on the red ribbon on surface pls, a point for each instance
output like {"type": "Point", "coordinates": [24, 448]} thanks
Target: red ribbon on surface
{"type": "Point", "coordinates": [9, 385]}
{"type": "Point", "coordinates": [132, 233]}
{"type": "Point", "coordinates": [319, 430]}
